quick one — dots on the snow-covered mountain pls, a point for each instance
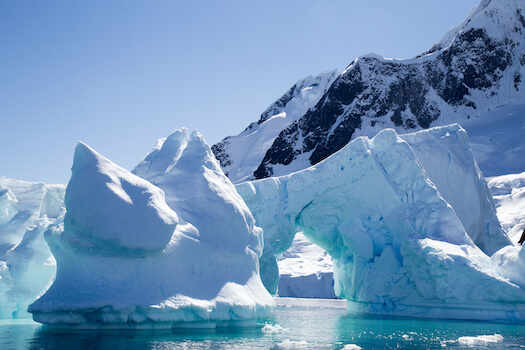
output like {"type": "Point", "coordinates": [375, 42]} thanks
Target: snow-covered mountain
{"type": "Point", "coordinates": [240, 155]}
{"type": "Point", "coordinates": [473, 76]}
{"type": "Point", "coordinates": [477, 68]}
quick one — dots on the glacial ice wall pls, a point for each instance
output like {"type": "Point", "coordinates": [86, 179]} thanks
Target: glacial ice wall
{"type": "Point", "coordinates": [408, 221]}
{"type": "Point", "coordinates": [132, 255]}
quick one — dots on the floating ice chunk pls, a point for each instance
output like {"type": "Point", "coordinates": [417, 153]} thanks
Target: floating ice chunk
{"type": "Point", "coordinates": [480, 339]}
{"type": "Point", "coordinates": [509, 196]}
{"type": "Point", "coordinates": [197, 189]}
{"type": "Point", "coordinates": [351, 347]}
{"type": "Point", "coordinates": [272, 328]}
{"type": "Point", "coordinates": [292, 344]}
{"type": "Point", "coordinates": [449, 163]}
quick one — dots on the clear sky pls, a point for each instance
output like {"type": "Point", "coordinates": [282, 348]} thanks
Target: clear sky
{"type": "Point", "coordinates": [120, 74]}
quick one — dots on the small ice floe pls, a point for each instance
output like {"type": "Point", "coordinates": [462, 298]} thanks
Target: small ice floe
{"type": "Point", "coordinates": [352, 347]}
{"type": "Point", "coordinates": [480, 339]}
{"type": "Point", "coordinates": [292, 344]}
{"type": "Point", "coordinates": [272, 328]}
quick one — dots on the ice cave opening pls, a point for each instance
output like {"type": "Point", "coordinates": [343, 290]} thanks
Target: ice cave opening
{"type": "Point", "coordinates": [305, 271]}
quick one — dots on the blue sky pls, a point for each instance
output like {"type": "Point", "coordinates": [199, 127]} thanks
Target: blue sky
{"type": "Point", "coordinates": [120, 74]}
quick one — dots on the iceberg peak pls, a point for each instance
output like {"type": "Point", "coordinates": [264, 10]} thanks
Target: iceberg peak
{"type": "Point", "coordinates": [109, 207]}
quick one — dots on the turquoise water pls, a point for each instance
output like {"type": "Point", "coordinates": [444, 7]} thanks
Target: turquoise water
{"type": "Point", "coordinates": [295, 323]}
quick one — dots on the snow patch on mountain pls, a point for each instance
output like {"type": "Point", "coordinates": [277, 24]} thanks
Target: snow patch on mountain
{"type": "Point", "coordinates": [497, 140]}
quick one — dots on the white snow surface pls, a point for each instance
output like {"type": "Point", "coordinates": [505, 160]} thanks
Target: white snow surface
{"type": "Point", "coordinates": [409, 222]}
{"type": "Point", "coordinates": [488, 14]}
{"type": "Point", "coordinates": [26, 264]}
{"type": "Point", "coordinates": [131, 254]}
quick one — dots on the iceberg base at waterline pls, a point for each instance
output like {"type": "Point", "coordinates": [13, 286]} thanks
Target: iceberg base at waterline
{"type": "Point", "coordinates": [130, 254]}
{"type": "Point", "coordinates": [495, 312]}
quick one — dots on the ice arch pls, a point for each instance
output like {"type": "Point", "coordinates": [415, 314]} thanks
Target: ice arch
{"type": "Point", "coordinates": [408, 220]}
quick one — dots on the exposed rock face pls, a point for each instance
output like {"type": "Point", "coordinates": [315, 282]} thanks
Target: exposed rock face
{"type": "Point", "coordinates": [477, 67]}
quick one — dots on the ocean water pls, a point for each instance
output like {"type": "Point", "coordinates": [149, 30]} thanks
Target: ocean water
{"type": "Point", "coordinates": [295, 324]}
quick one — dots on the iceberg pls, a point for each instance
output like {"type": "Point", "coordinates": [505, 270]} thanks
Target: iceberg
{"type": "Point", "coordinates": [26, 265]}
{"type": "Point", "coordinates": [409, 222]}
{"type": "Point", "coordinates": [180, 251]}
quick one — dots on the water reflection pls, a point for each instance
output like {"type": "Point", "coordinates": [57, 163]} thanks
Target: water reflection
{"type": "Point", "coordinates": [410, 333]}
{"type": "Point", "coordinates": [292, 325]}
{"type": "Point", "coordinates": [50, 338]}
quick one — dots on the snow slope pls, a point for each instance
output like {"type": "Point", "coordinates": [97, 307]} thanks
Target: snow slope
{"type": "Point", "coordinates": [26, 264]}
{"type": "Point", "coordinates": [401, 243]}
{"type": "Point", "coordinates": [130, 255]}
